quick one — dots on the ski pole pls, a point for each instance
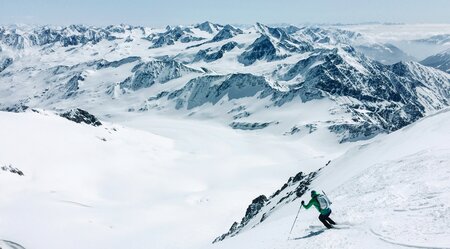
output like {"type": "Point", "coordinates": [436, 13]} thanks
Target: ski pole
{"type": "Point", "coordinates": [294, 222]}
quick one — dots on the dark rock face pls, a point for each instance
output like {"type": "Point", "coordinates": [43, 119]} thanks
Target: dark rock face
{"type": "Point", "coordinates": [184, 35]}
{"type": "Point", "coordinates": [81, 116]}
{"type": "Point", "coordinates": [248, 126]}
{"type": "Point", "coordinates": [255, 207]}
{"type": "Point", "coordinates": [261, 49]}
{"type": "Point", "coordinates": [212, 88]}
{"type": "Point", "coordinates": [227, 32]}
{"type": "Point", "coordinates": [209, 27]}
{"type": "Point", "coordinates": [16, 108]}
{"type": "Point", "coordinates": [208, 56]}
{"type": "Point", "coordinates": [105, 64]}
{"type": "Point", "coordinates": [273, 44]}
{"type": "Point", "coordinates": [262, 207]}
{"type": "Point", "coordinates": [11, 169]}
{"type": "Point", "coordinates": [72, 85]}
{"type": "Point", "coordinates": [161, 71]}
{"type": "Point", "coordinates": [5, 63]}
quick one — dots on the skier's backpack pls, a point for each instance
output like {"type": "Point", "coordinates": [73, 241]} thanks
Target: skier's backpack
{"type": "Point", "coordinates": [324, 202]}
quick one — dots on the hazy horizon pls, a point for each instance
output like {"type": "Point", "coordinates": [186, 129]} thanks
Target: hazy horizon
{"type": "Point", "coordinates": [177, 12]}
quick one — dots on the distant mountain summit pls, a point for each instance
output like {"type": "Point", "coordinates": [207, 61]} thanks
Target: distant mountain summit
{"type": "Point", "coordinates": [259, 78]}
{"type": "Point", "coordinates": [440, 61]}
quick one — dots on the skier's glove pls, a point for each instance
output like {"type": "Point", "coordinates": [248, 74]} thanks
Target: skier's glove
{"type": "Point", "coordinates": [303, 202]}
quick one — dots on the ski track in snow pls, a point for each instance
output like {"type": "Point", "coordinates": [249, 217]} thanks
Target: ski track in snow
{"type": "Point", "coordinates": [388, 240]}
{"type": "Point", "coordinates": [411, 184]}
{"type": "Point", "coordinates": [75, 203]}
{"type": "Point", "coordinates": [6, 244]}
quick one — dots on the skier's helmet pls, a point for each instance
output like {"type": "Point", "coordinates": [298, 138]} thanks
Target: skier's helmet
{"type": "Point", "coordinates": [313, 193]}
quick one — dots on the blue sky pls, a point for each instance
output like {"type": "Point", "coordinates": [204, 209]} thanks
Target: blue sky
{"type": "Point", "coordinates": [163, 12]}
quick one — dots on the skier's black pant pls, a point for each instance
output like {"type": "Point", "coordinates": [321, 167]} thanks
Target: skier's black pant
{"type": "Point", "coordinates": [326, 220]}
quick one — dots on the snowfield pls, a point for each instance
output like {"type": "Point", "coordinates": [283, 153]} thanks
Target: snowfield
{"type": "Point", "coordinates": [114, 186]}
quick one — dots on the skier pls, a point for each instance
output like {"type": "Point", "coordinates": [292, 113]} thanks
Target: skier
{"type": "Point", "coordinates": [322, 204]}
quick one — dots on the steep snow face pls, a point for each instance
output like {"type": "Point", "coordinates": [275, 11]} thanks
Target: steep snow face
{"type": "Point", "coordinates": [211, 89]}
{"type": "Point", "coordinates": [389, 193]}
{"type": "Point", "coordinates": [440, 61]}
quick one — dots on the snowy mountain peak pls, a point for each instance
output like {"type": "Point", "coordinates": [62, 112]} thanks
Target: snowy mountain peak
{"type": "Point", "coordinates": [226, 32]}
{"type": "Point", "coordinates": [209, 27]}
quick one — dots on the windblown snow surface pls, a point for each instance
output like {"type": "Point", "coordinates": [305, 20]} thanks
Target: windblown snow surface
{"type": "Point", "coordinates": [136, 186]}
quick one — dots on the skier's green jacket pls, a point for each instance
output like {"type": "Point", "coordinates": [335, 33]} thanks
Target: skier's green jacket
{"type": "Point", "coordinates": [316, 204]}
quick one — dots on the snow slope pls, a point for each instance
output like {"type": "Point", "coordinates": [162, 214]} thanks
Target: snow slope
{"type": "Point", "coordinates": [392, 191]}
{"type": "Point", "coordinates": [114, 186]}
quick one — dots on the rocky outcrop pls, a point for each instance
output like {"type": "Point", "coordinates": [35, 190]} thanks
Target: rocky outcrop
{"type": "Point", "coordinates": [208, 55]}
{"type": "Point", "coordinates": [156, 71]}
{"type": "Point", "coordinates": [11, 169]}
{"type": "Point", "coordinates": [81, 116]}
{"type": "Point", "coordinates": [249, 126]}
{"type": "Point", "coordinates": [262, 207]}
